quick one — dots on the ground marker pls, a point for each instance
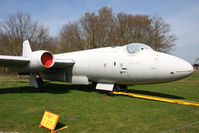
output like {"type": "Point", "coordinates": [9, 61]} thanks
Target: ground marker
{"type": "Point", "coordinates": [49, 121]}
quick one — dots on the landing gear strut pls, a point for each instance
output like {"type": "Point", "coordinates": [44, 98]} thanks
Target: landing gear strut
{"type": "Point", "coordinates": [40, 83]}
{"type": "Point", "coordinates": [116, 88]}
{"type": "Point", "coordinates": [93, 85]}
{"type": "Point", "coordinates": [37, 82]}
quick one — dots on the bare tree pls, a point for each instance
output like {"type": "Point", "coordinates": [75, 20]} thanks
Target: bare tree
{"type": "Point", "coordinates": [19, 27]}
{"type": "Point", "coordinates": [160, 39]}
{"type": "Point", "coordinates": [91, 31]}
{"type": "Point", "coordinates": [132, 28]}
{"type": "Point", "coordinates": [108, 29]}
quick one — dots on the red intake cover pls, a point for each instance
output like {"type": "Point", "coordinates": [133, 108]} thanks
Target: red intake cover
{"type": "Point", "coordinates": [47, 59]}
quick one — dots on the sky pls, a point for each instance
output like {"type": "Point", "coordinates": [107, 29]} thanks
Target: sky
{"type": "Point", "coordinates": [181, 15]}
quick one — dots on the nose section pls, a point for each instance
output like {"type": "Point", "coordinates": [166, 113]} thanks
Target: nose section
{"type": "Point", "coordinates": [182, 67]}
{"type": "Point", "coordinates": [171, 68]}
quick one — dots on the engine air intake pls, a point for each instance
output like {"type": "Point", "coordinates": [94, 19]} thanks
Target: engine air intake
{"type": "Point", "coordinates": [47, 59]}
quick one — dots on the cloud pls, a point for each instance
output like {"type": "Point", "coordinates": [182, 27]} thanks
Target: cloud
{"type": "Point", "coordinates": [1, 21]}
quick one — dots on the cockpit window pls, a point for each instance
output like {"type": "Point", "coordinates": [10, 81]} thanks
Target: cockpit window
{"type": "Point", "coordinates": [136, 47]}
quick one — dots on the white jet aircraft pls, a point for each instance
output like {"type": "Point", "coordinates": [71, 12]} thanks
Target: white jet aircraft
{"type": "Point", "coordinates": [108, 67]}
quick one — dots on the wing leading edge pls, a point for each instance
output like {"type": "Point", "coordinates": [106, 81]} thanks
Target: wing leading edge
{"type": "Point", "coordinates": [13, 61]}
{"type": "Point", "coordinates": [63, 63]}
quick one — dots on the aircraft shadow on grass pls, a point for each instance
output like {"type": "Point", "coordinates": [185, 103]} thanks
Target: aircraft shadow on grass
{"type": "Point", "coordinates": [54, 88]}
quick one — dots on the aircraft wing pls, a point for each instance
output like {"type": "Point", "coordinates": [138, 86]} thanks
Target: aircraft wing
{"type": "Point", "coordinates": [63, 63]}
{"type": "Point", "coordinates": [20, 61]}
{"type": "Point", "coordinates": [36, 60]}
{"type": "Point", "coordinates": [13, 61]}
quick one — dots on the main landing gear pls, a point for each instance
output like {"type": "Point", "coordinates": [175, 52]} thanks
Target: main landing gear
{"type": "Point", "coordinates": [37, 82]}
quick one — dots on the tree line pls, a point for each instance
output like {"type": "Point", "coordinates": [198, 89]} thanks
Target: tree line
{"type": "Point", "coordinates": [93, 30]}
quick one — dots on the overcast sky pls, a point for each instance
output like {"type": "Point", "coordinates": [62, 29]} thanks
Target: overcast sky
{"type": "Point", "coordinates": [182, 15]}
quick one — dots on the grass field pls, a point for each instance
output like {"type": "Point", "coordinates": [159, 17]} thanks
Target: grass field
{"type": "Point", "coordinates": [86, 111]}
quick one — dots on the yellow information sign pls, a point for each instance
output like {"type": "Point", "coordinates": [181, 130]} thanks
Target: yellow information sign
{"type": "Point", "coordinates": [49, 120]}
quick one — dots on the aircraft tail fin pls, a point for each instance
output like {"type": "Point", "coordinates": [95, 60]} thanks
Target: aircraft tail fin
{"type": "Point", "coordinates": [26, 49]}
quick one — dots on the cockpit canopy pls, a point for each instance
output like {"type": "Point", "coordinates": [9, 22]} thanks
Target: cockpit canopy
{"type": "Point", "coordinates": [136, 47]}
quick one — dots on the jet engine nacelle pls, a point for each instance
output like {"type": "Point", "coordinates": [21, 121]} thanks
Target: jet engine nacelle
{"type": "Point", "coordinates": [40, 60]}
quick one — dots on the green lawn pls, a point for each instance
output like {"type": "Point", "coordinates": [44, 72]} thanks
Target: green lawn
{"type": "Point", "coordinates": [86, 111]}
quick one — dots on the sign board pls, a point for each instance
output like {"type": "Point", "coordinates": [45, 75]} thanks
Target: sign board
{"type": "Point", "coordinates": [49, 120]}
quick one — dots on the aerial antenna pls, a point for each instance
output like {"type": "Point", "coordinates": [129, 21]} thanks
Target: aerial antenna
{"type": "Point", "coordinates": [196, 60]}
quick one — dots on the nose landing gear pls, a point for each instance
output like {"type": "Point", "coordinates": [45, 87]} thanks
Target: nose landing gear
{"type": "Point", "coordinates": [116, 88]}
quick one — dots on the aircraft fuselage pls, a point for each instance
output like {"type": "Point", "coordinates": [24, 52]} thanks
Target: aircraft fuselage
{"type": "Point", "coordinates": [116, 65]}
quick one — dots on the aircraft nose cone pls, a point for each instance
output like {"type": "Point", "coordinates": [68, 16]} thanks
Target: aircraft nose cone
{"type": "Point", "coordinates": [172, 68]}
{"type": "Point", "coordinates": [183, 68]}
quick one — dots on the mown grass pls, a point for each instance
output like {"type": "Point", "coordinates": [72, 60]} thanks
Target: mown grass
{"type": "Point", "coordinates": [87, 111]}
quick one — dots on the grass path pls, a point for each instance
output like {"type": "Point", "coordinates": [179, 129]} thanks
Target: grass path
{"type": "Point", "coordinates": [86, 111]}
